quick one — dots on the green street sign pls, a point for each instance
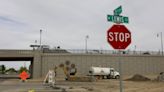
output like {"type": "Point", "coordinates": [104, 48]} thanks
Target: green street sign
{"type": "Point", "coordinates": [118, 11]}
{"type": "Point", "coordinates": [117, 19]}
{"type": "Point", "coordinates": [110, 18]}
{"type": "Point", "coordinates": [126, 19]}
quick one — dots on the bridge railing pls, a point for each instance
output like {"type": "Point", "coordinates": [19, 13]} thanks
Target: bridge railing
{"type": "Point", "coordinates": [113, 52]}
{"type": "Point", "coordinates": [79, 51]}
{"type": "Point", "coordinates": [7, 51]}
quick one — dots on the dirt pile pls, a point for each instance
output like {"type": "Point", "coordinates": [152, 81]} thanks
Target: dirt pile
{"type": "Point", "coordinates": [138, 77]}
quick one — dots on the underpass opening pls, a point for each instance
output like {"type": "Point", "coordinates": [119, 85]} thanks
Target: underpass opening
{"type": "Point", "coordinates": [11, 67]}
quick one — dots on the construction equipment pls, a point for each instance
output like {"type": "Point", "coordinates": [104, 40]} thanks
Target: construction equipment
{"type": "Point", "coordinates": [50, 78]}
{"type": "Point", "coordinates": [70, 71]}
{"type": "Point", "coordinates": [104, 72]}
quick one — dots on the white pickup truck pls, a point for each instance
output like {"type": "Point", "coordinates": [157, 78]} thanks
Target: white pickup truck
{"type": "Point", "coordinates": [104, 72]}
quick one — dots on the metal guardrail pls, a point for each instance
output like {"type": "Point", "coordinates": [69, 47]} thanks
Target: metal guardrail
{"type": "Point", "coordinates": [80, 51]}
{"type": "Point", "coordinates": [113, 52]}
{"type": "Point", "coordinates": [7, 51]}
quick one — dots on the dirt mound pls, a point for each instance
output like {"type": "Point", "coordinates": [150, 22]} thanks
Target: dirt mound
{"type": "Point", "coordinates": [138, 77]}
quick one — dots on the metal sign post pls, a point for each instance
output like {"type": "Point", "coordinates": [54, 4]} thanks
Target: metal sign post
{"type": "Point", "coordinates": [120, 71]}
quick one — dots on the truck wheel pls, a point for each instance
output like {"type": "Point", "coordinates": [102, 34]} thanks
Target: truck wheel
{"type": "Point", "coordinates": [117, 77]}
{"type": "Point", "coordinates": [104, 77]}
{"type": "Point", "coordinates": [99, 77]}
{"type": "Point", "coordinates": [108, 77]}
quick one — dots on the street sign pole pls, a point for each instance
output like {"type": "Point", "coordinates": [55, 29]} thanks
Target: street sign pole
{"type": "Point", "coordinates": [120, 71]}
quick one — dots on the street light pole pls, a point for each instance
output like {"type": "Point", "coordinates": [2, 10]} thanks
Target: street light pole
{"type": "Point", "coordinates": [162, 43]}
{"type": "Point", "coordinates": [86, 38]}
{"type": "Point", "coordinates": [135, 47]}
{"type": "Point", "coordinates": [41, 51]}
{"type": "Point", "coordinates": [40, 39]}
{"type": "Point", "coordinates": [161, 36]}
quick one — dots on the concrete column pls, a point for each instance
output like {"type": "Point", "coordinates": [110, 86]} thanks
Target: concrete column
{"type": "Point", "coordinates": [37, 65]}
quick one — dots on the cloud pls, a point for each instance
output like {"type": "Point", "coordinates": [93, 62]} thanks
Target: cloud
{"type": "Point", "coordinates": [66, 23]}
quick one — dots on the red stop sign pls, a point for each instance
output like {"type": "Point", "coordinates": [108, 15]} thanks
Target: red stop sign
{"type": "Point", "coordinates": [119, 37]}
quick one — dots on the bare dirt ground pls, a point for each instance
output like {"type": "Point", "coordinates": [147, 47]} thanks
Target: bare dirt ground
{"type": "Point", "coordinates": [112, 85]}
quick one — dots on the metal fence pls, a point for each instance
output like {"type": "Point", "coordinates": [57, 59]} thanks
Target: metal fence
{"type": "Point", "coordinates": [80, 51]}
{"type": "Point", "coordinates": [114, 52]}
{"type": "Point", "coordinates": [7, 51]}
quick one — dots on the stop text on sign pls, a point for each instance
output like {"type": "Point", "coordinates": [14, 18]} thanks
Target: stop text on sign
{"type": "Point", "coordinates": [118, 36]}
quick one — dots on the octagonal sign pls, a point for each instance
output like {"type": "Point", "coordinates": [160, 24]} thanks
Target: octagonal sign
{"type": "Point", "coordinates": [119, 37]}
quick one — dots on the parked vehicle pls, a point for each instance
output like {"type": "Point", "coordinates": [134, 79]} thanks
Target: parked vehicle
{"type": "Point", "coordinates": [104, 72]}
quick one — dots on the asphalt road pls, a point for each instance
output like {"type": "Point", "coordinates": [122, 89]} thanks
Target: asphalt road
{"type": "Point", "coordinates": [7, 76]}
{"type": "Point", "coordinates": [1, 80]}
{"type": "Point", "coordinates": [15, 85]}
{"type": "Point", "coordinates": [20, 87]}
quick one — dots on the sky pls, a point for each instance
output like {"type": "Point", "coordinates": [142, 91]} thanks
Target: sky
{"type": "Point", "coordinates": [66, 23]}
{"type": "Point", "coordinates": [16, 64]}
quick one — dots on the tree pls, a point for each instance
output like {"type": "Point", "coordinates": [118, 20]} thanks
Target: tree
{"type": "Point", "coordinates": [23, 69]}
{"type": "Point", "coordinates": [3, 69]}
{"type": "Point", "coordinates": [11, 71]}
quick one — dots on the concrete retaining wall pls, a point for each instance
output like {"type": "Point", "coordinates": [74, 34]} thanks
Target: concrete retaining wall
{"type": "Point", "coordinates": [148, 65]}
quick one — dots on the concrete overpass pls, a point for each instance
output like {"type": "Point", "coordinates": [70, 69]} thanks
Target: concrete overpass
{"type": "Point", "coordinates": [42, 61]}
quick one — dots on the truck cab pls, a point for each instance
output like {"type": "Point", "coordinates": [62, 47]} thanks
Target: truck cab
{"type": "Point", "coordinates": [113, 74]}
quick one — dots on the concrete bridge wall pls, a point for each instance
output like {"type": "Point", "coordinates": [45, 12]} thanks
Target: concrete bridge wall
{"type": "Point", "coordinates": [42, 62]}
{"type": "Point", "coordinates": [146, 64]}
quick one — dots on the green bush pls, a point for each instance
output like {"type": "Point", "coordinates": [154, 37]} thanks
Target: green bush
{"type": "Point", "coordinates": [23, 69]}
